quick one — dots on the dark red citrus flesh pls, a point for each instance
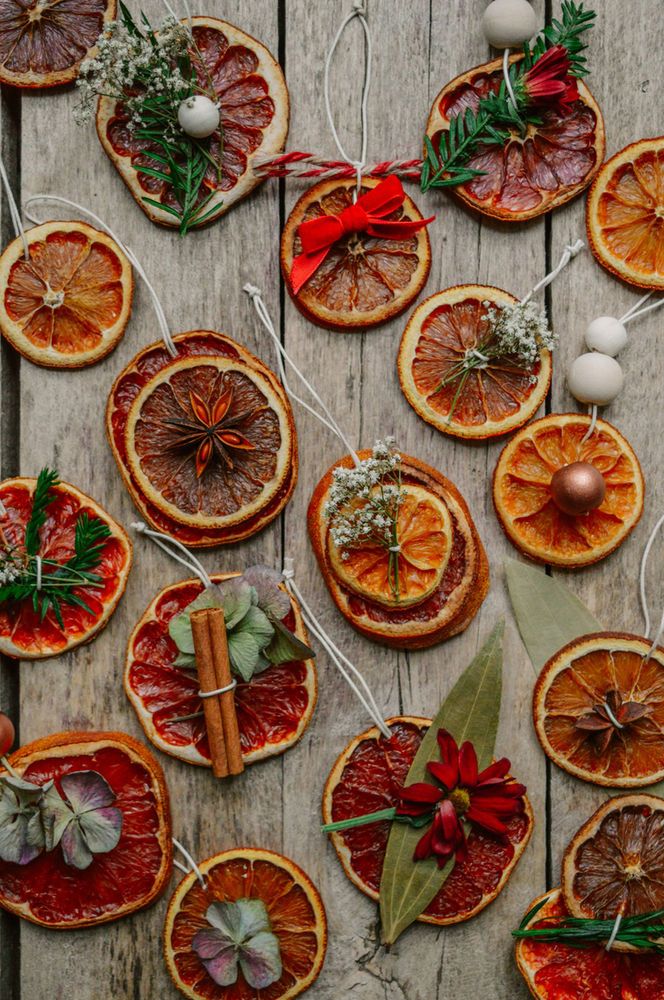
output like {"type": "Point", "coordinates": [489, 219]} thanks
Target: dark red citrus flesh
{"type": "Point", "coordinates": [57, 892]}
{"type": "Point", "coordinates": [48, 36]}
{"type": "Point", "coordinates": [371, 779]}
{"type": "Point", "coordinates": [269, 708]}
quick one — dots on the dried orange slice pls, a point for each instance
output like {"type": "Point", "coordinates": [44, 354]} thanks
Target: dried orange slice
{"type": "Point", "coordinates": [555, 971]}
{"type": "Point", "coordinates": [530, 174]}
{"type": "Point", "coordinates": [522, 490]}
{"type": "Point", "coordinates": [491, 400]}
{"type": "Point", "coordinates": [24, 633]}
{"type": "Point", "coordinates": [134, 874]}
{"type": "Point", "coordinates": [366, 777]}
{"type": "Point", "coordinates": [295, 911]}
{"type": "Point", "coordinates": [273, 710]}
{"type": "Point", "coordinates": [364, 280]}
{"type": "Point", "coordinates": [598, 708]}
{"type": "Point", "coordinates": [254, 107]}
{"type": "Point", "coordinates": [441, 613]}
{"type": "Point", "coordinates": [42, 42]}
{"type": "Point", "coordinates": [68, 304]}
{"type": "Point", "coordinates": [625, 214]}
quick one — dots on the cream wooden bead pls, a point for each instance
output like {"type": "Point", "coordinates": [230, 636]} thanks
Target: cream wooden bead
{"type": "Point", "coordinates": [507, 24]}
{"type": "Point", "coordinates": [198, 116]}
{"type": "Point", "coordinates": [595, 378]}
{"type": "Point", "coordinates": [607, 335]}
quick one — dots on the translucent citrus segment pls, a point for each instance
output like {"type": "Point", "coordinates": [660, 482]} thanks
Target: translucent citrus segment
{"type": "Point", "coordinates": [523, 498]}
{"type": "Point", "coordinates": [366, 777]}
{"type": "Point", "coordinates": [493, 398]}
{"type": "Point", "coordinates": [68, 303]}
{"type": "Point", "coordinates": [364, 280]}
{"type": "Point", "coordinates": [409, 576]}
{"type": "Point", "coordinates": [598, 708]}
{"type": "Point", "coordinates": [295, 911]}
{"type": "Point", "coordinates": [625, 214]}
{"type": "Point", "coordinates": [530, 174]}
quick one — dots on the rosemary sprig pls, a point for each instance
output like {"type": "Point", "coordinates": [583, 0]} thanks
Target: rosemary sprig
{"type": "Point", "coordinates": [641, 931]}
{"type": "Point", "coordinates": [42, 497]}
{"type": "Point", "coordinates": [576, 20]}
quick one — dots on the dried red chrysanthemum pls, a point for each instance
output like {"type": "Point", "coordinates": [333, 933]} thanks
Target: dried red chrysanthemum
{"type": "Point", "coordinates": [548, 80]}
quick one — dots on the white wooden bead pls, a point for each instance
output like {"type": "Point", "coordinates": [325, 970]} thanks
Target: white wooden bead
{"type": "Point", "coordinates": [198, 116]}
{"type": "Point", "coordinates": [595, 378]}
{"type": "Point", "coordinates": [507, 24]}
{"type": "Point", "coordinates": [607, 335]}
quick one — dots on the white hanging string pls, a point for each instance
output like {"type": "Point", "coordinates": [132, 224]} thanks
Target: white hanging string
{"type": "Point", "coordinates": [38, 568]}
{"type": "Point", "coordinates": [592, 410]}
{"type": "Point", "coordinates": [221, 690]}
{"type": "Point", "coordinates": [635, 311]}
{"type": "Point", "coordinates": [568, 254]}
{"type": "Point", "coordinates": [14, 213]}
{"type": "Point", "coordinates": [642, 590]}
{"type": "Point", "coordinates": [358, 12]}
{"type": "Point", "coordinates": [506, 77]}
{"type": "Point", "coordinates": [326, 419]}
{"type": "Point", "coordinates": [85, 212]}
{"type": "Point", "coordinates": [176, 550]}
{"type": "Point", "coordinates": [612, 718]}
{"type": "Point", "coordinates": [193, 867]}
{"type": "Point", "coordinates": [614, 932]}
{"type": "Point", "coordinates": [348, 670]}
{"type": "Point", "coordinates": [185, 7]}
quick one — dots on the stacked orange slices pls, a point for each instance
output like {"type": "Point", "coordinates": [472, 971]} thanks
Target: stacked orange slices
{"type": "Point", "coordinates": [273, 709]}
{"type": "Point", "coordinates": [531, 174]}
{"type": "Point", "coordinates": [442, 567]}
{"type": "Point", "coordinates": [205, 441]}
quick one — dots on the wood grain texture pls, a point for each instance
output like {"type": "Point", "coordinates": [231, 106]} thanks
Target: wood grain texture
{"type": "Point", "coordinates": [418, 47]}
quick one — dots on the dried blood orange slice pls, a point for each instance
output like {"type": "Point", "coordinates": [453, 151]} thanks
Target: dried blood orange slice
{"type": "Point", "coordinates": [625, 214]}
{"type": "Point", "coordinates": [273, 709]}
{"type": "Point", "coordinates": [364, 280]}
{"type": "Point", "coordinates": [462, 587]}
{"type": "Point", "coordinates": [598, 708]}
{"type": "Point", "coordinates": [523, 499]}
{"type": "Point", "coordinates": [295, 911]}
{"type": "Point", "coordinates": [555, 971]}
{"type": "Point", "coordinates": [23, 632]}
{"type": "Point", "coordinates": [42, 42]}
{"type": "Point", "coordinates": [528, 175]}
{"type": "Point", "coordinates": [253, 102]}
{"type": "Point", "coordinates": [68, 304]}
{"type": "Point", "coordinates": [47, 891]}
{"type": "Point", "coordinates": [491, 400]}
{"type": "Point", "coordinates": [368, 776]}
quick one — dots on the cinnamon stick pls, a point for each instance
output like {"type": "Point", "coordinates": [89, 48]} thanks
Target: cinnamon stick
{"type": "Point", "coordinates": [222, 669]}
{"type": "Point", "coordinates": [207, 681]}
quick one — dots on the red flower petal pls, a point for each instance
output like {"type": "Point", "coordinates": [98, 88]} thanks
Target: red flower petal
{"type": "Point", "coordinates": [449, 751]}
{"type": "Point", "coordinates": [468, 765]}
{"type": "Point", "coordinates": [446, 774]}
{"type": "Point", "coordinates": [500, 806]}
{"type": "Point", "coordinates": [494, 772]}
{"type": "Point", "coordinates": [423, 846]}
{"type": "Point", "coordinates": [486, 820]}
{"type": "Point", "coordinates": [421, 792]}
{"type": "Point", "coordinates": [509, 788]}
{"type": "Point", "coordinates": [448, 820]}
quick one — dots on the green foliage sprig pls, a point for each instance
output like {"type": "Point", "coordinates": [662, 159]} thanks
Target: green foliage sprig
{"type": "Point", "coordinates": [643, 931]}
{"type": "Point", "coordinates": [576, 20]}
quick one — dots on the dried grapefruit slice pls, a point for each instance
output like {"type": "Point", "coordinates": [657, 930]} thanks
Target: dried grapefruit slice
{"type": "Point", "coordinates": [273, 709]}
{"type": "Point", "coordinates": [522, 490]}
{"type": "Point", "coordinates": [254, 107]}
{"type": "Point", "coordinates": [364, 280]}
{"type": "Point", "coordinates": [555, 971]}
{"type": "Point", "coordinates": [66, 306]}
{"type": "Point", "coordinates": [23, 633]}
{"type": "Point", "coordinates": [42, 42]}
{"type": "Point", "coordinates": [462, 587]}
{"type": "Point", "coordinates": [492, 400]}
{"type": "Point", "coordinates": [598, 707]}
{"type": "Point", "coordinates": [367, 776]}
{"type": "Point", "coordinates": [295, 910]}
{"type": "Point", "coordinates": [529, 175]}
{"type": "Point", "coordinates": [47, 891]}
{"type": "Point", "coordinates": [625, 214]}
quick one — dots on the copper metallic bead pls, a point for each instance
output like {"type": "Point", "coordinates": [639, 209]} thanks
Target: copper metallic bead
{"type": "Point", "coordinates": [578, 488]}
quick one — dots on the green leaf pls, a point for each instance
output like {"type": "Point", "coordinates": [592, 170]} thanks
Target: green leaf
{"type": "Point", "coordinates": [179, 627]}
{"type": "Point", "coordinates": [247, 641]}
{"type": "Point", "coordinates": [547, 613]}
{"type": "Point", "coordinates": [286, 647]}
{"type": "Point", "coordinates": [470, 712]}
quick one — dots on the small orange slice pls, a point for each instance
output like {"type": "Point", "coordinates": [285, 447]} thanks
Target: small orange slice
{"type": "Point", "coordinates": [598, 708]}
{"type": "Point", "coordinates": [523, 499]}
{"type": "Point", "coordinates": [68, 304]}
{"type": "Point", "coordinates": [424, 531]}
{"type": "Point", "coordinates": [625, 214]}
{"type": "Point", "coordinates": [294, 907]}
{"type": "Point", "coordinates": [493, 399]}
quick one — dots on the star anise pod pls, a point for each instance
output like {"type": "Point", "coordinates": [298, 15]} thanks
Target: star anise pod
{"type": "Point", "coordinates": [212, 429]}
{"type": "Point", "coordinates": [607, 719]}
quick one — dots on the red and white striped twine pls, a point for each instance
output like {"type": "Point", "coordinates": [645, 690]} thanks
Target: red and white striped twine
{"type": "Point", "coordinates": [297, 164]}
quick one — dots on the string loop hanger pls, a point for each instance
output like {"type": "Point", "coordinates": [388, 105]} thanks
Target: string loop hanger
{"type": "Point", "coordinates": [642, 591]}
{"type": "Point", "coordinates": [177, 551]}
{"type": "Point", "coordinates": [568, 254]}
{"type": "Point", "coordinates": [14, 213]}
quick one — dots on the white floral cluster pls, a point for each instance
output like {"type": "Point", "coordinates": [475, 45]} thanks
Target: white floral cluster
{"type": "Point", "coordinates": [523, 330]}
{"type": "Point", "coordinates": [9, 571]}
{"type": "Point", "coordinates": [363, 502]}
{"type": "Point", "coordinates": [127, 60]}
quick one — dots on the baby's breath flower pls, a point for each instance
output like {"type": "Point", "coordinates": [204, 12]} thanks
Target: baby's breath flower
{"type": "Point", "coordinates": [521, 330]}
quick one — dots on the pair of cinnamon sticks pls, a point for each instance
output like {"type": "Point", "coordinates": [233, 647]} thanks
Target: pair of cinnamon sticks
{"type": "Point", "coordinates": [214, 672]}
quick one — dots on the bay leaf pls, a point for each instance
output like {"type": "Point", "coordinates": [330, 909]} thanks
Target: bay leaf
{"type": "Point", "coordinates": [471, 711]}
{"type": "Point", "coordinates": [547, 613]}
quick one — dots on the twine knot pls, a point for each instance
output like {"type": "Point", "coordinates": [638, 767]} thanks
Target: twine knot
{"type": "Point", "coordinates": [574, 248]}
{"type": "Point", "coordinates": [359, 6]}
{"type": "Point", "coordinates": [288, 572]}
{"type": "Point", "coordinates": [252, 291]}
{"type": "Point", "coordinates": [139, 526]}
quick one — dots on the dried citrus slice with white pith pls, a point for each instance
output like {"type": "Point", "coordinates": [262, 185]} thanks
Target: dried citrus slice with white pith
{"type": "Point", "coordinates": [495, 397]}
{"type": "Point", "coordinates": [364, 280]}
{"type": "Point", "coordinates": [67, 304]}
{"type": "Point", "coordinates": [625, 214]}
{"type": "Point", "coordinates": [524, 502]}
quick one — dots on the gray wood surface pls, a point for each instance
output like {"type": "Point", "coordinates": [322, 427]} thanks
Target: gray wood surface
{"type": "Point", "coordinates": [417, 48]}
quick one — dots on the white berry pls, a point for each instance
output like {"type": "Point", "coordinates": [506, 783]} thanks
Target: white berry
{"type": "Point", "coordinates": [509, 23]}
{"type": "Point", "coordinates": [198, 116]}
{"type": "Point", "coordinates": [606, 334]}
{"type": "Point", "coordinates": [595, 378]}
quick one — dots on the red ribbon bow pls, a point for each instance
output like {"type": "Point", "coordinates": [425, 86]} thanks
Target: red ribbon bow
{"type": "Point", "coordinates": [318, 236]}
